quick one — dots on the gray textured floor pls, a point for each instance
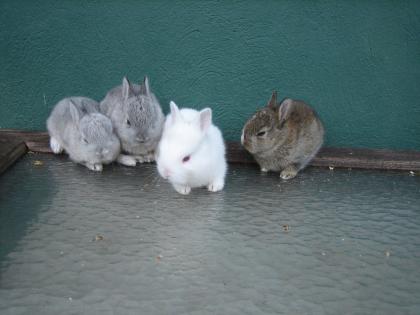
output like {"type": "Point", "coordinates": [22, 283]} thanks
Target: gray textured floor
{"type": "Point", "coordinates": [124, 242]}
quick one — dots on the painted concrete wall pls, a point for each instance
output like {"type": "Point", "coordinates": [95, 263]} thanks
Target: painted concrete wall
{"type": "Point", "coordinates": [356, 62]}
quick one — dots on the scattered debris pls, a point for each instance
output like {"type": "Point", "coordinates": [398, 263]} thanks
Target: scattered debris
{"type": "Point", "coordinates": [97, 238]}
{"type": "Point", "coordinates": [158, 258]}
{"type": "Point", "coordinates": [286, 228]}
{"type": "Point", "coordinates": [70, 299]}
{"type": "Point", "coordinates": [412, 173]}
{"type": "Point", "coordinates": [323, 254]}
{"type": "Point", "coordinates": [387, 253]}
{"type": "Point", "coordinates": [38, 163]}
{"type": "Point", "coordinates": [31, 152]}
{"type": "Point", "coordinates": [331, 168]}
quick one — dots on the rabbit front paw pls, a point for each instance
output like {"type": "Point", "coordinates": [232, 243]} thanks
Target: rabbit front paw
{"type": "Point", "coordinates": [127, 160]}
{"type": "Point", "coordinates": [288, 173]}
{"type": "Point", "coordinates": [94, 167]}
{"type": "Point", "coordinates": [55, 146]}
{"type": "Point", "coordinates": [183, 190]}
{"type": "Point", "coordinates": [145, 158]}
{"type": "Point", "coordinates": [216, 186]}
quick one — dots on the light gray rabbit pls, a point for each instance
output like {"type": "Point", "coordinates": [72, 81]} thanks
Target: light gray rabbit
{"type": "Point", "coordinates": [76, 126]}
{"type": "Point", "coordinates": [137, 118]}
{"type": "Point", "coordinates": [283, 137]}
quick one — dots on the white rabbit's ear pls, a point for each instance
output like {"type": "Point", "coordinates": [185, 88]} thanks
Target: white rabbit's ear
{"type": "Point", "coordinates": [126, 88]}
{"type": "Point", "coordinates": [145, 87]}
{"type": "Point", "coordinates": [74, 112]}
{"type": "Point", "coordinates": [205, 119]}
{"type": "Point", "coordinates": [285, 109]}
{"type": "Point", "coordinates": [174, 111]}
{"type": "Point", "coordinates": [272, 103]}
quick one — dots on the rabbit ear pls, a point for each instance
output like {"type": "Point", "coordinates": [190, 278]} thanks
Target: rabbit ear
{"type": "Point", "coordinates": [145, 88]}
{"type": "Point", "coordinates": [205, 119]}
{"type": "Point", "coordinates": [126, 88]}
{"type": "Point", "coordinates": [272, 103]}
{"type": "Point", "coordinates": [285, 109]}
{"type": "Point", "coordinates": [174, 111]}
{"type": "Point", "coordinates": [74, 112]}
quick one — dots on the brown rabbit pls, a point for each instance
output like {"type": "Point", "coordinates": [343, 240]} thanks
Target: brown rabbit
{"type": "Point", "coordinates": [283, 137]}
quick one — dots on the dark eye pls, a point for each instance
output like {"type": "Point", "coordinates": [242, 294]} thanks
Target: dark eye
{"type": "Point", "coordinates": [128, 123]}
{"type": "Point", "coordinates": [261, 133]}
{"type": "Point", "coordinates": [85, 140]}
{"type": "Point", "coordinates": [186, 159]}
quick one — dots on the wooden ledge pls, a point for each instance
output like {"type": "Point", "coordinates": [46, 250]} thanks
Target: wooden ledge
{"type": "Point", "coordinates": [11, 149]}
{"type": "Point", "coordinates": [335, 157]}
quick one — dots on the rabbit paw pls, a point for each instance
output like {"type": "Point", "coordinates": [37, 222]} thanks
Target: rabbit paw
{"type": "Point", "coordinates": [145, 158]}
{"type": "Point", "coordinates": [55, 146]}
{"type": "Point", "coordinates": [288, 173]}
{"type": "Point", "coordinates": [183, 190]}
{"type": "Point", "coordinates": [216, 186]}
{"type": "Point", "coordinates": [94, 167]}
{"type": "Point", "coordinates": [127, 160]}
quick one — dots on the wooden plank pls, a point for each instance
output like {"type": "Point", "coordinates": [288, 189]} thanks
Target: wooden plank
{"type": "Point", "coordinates": [347, 158]}
{"type": "Point", "coordinates": [38, 141]}
{"type": "Point", "coordinates": [11, 149]}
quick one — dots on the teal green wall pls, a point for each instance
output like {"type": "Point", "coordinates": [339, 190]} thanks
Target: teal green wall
{"type": "Point", "coordinates": [356, 62]}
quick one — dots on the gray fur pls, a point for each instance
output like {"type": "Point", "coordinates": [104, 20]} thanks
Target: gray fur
{"type": "Point", "coordinates": [76, 126]}
{"type": "Point", "coordinates": [293, 136]}
{"type": "Point", "coordinates": [137, 118]}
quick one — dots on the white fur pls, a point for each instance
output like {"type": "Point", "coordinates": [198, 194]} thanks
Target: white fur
{"type": "Point", "coordinates": [188, 132]}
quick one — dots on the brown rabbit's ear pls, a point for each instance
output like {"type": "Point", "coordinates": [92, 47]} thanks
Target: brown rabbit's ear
{"type": "Point", "coordinates": [285, 109]}
{"type": "Point", "coordinates": [272, 103]}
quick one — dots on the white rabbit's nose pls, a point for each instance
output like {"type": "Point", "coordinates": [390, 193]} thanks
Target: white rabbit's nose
{"type": "Point", "coordinates": [166, 173]}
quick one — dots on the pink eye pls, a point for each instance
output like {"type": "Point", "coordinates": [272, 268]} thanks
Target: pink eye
{"type": "Point", "coordinates": [186, 159]}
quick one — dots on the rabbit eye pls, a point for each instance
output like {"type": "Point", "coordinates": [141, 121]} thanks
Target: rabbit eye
{"type": "Point", "coordinates": [85, 140]}
{"type": "Point", "coordinates": [128, 123]}
{"type": "Point", "coordinates": [261, 133]}
{"type": "Point", "coordinates": [186, 159]}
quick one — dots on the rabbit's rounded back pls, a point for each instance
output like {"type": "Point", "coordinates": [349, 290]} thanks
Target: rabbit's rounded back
{"type": "Point", "coordinates": [191, 151]}
{"type": "Point", "coordinates": [84, 133]}
{"type": "Point", "coordinates": [290, 131]}
{"type": "Point", "coordinates": [136, 115]}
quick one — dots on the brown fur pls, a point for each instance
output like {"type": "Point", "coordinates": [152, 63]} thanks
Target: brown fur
{"type": "Point", "coordinates": [293, 136]}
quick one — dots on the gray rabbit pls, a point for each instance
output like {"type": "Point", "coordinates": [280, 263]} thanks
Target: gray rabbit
{"type": "Point", "coordinates": [283, 137]}
{"type": "Point", "coordinates": [137, 118]}
{"type": "Point", "coordinates": [76, 126]}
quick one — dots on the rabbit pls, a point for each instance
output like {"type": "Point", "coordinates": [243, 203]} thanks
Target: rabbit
{"type": "Point", "coordinates": [191, 152]}
{"type": "Point", "coordinates": [76, 126]}
{"type": "Point", "coordinates": [138, 120]}
{"type": "Point", "coordinates": [283, 137]}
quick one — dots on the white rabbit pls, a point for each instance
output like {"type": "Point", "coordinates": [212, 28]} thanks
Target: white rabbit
{"type": "Point", "coordinates": [191, 152]}
{"type": "Point", "coordinates": [76, 126]}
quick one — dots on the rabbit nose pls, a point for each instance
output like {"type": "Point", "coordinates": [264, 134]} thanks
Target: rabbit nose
{"type": "Point", "coordinates": [166, 173]}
